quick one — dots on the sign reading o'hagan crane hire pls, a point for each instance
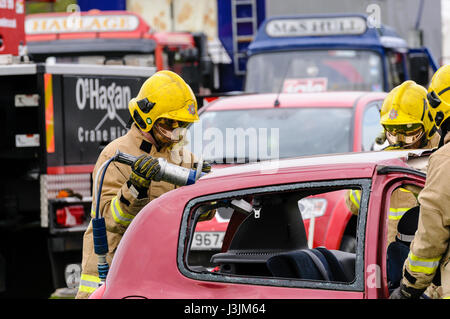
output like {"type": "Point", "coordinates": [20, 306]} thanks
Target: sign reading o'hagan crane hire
{"type": "Point", "coordinates": [95, 113]}
{"type": "Point", "coordinates": [321, 26]}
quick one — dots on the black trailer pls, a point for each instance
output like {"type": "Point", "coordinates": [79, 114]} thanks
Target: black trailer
{"type": "Point", "coordinates": [55, 119]}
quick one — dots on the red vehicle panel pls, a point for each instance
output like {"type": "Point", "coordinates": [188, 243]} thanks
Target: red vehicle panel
{"type": "Point", "coordinates": [12, 34]}
{"type": "Point", "coordinates": [152, 258]}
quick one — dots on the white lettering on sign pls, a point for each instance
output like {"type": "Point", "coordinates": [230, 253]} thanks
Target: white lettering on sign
{"type": "Point", "coordinates": [86, 135]}
{"type": "Point", "coordinates": [7, 4]}
{"type": "Point", "coordinates": [311, 85]}
{"type": "Point", "coordinates": [83, 23]}
{"type": "Point", "coordinates": [316, 27]}
{"type": "Point", "coordinates": [8, 23]}
{"type": "Point", "coordinates": [91, 96]}
{"type": "Point", "coordinates": [100, 97]}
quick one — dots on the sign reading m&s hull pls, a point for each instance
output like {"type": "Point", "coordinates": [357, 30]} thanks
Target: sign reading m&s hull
{"type": "Point", "coordinates": [301, 27]}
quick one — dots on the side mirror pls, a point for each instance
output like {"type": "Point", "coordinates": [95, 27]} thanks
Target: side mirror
{"type": "Point", "coordinates": [419, 67]}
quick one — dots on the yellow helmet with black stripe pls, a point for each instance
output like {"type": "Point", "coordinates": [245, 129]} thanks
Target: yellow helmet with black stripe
{"type": "Point", "coordinates": [405, 114]}
{"type": "Point", "coordinates": [439, 95]}
{"type": "Point", "coordinates": [164, 95]}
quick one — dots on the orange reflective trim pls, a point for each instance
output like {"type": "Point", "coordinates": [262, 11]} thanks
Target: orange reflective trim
{"type": "Point", "coordinates": [49, 115]}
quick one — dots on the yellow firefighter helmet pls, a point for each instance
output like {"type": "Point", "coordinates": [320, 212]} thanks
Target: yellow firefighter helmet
{"type": "Point", "coordinates": [164, 95]}
{"type": "Point", "coordinates": [439, 95]}
{"type": "Point", "coordinates": [405, 114]}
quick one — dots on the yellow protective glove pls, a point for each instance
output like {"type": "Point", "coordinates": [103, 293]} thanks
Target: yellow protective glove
{"type": "Point", "coordinates": [143, 171]}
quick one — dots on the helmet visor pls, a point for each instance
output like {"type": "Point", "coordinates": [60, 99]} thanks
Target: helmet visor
{"type": "Point", "coordinates": [170, 124]}
{"type": "Point", "coordinates": [171, 130]}
{"type": "Point", "coordinates": [406, 134]}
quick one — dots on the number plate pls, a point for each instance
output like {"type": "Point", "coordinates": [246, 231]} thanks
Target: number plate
{"type": "Point", "coordinates": [207, 240]}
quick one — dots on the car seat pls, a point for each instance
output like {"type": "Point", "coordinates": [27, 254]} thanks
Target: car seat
{"type": "Point", "coordinates": [278, 229]}
{"type": "Point", "coordinates": [316, 264]}
{"type": "Point", "coordinates": [398, 250]}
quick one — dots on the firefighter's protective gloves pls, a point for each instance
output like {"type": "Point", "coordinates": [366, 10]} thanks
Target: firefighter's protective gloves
{"type": "Point", "coordinates": [381, 138]}
{"type": "Point", "coordinates": [405, 292]}
{"type": "Point", "coordinates": [206, 167]}
{"type": "Point", "coordinates": [143, 171]}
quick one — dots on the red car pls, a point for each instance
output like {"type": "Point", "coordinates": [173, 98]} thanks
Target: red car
{"type": "Point", "coordinates": [265, 252]}
{"type": "Point", "coordinates": [300, 124]}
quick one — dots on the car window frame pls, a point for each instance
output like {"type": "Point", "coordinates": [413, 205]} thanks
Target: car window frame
{"type": "Point", "coordinates": [410, 177]}
{"type": "Point", "coordinates": [372, 103]}
{"type": "Point", "coordinates": [357, 285]}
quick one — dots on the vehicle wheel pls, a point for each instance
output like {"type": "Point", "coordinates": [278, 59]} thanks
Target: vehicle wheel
{"type": "Point", "coordinates": [348, 244]}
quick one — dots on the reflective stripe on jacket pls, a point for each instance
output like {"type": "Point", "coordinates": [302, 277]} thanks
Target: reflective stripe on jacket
{"type": "Point", "coordinates": [88, 283]}
{"type": "Point", "coordinates": [401, 201]}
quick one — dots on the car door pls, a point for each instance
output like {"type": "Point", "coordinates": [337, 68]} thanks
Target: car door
{"type": "Point", "coordinates": [263, 248]}
{"type": "Point", "coordinates": [385, 258]}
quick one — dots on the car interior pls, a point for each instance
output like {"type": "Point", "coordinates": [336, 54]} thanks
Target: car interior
{"type": "Point", "coordinates": [266, 237]}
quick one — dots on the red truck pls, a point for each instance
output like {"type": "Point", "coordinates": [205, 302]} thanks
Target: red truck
{"type": "Point", "coordinates": [118, 37]}
{"type": "Point", "coordinates": [12, 34]}
{"type": "Point", "coordinates": [267, 255]}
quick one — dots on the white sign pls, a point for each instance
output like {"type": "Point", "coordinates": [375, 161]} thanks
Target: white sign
{"type": "Point", "coordinates": [308, 85]}
{"type": "Point", "coordinates": [7, 4]}
{"type": "Point", "coordinates": [21, 100]}
{"type": "Point", "coordinates": [207, 240]}
{"type": "Point", "coordinates": [316, 27]}
{"type": "Point", "coordinates": [90, 95]}
{"type": "Point", "coordinates": [82, 23]}
{"type": "Point", "coordinates": [27, 140]}
{"type": "Point", "coordinates": [8, 23]}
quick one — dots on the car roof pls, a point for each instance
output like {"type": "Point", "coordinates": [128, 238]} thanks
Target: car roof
{"type": "Point", "coordinates": [324, 162]}
{"type": "Point", "coordinates": [267, 100]}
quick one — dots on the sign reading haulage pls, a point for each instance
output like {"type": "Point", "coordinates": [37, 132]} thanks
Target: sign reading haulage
{"type": "Point", "coordinates": [81, 23]}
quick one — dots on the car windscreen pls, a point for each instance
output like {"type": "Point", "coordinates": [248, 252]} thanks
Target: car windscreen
{"type": "Point", "coordinates": [248, 135]}
{"type": "Point", "coordinates": [314, 71]}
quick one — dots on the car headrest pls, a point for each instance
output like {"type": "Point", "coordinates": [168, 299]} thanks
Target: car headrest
{"type": "Point", "coordinates": [279, 227]}
{"type": "Point", "coordinates": [407, 225]}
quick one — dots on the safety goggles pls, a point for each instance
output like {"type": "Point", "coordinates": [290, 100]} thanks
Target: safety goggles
{"type": "Point", "coordinates": [406, 134]}
{"type": "Point", "coordinates": [171, 130]}
{"type": "Point", "coordinates": [170, 124]}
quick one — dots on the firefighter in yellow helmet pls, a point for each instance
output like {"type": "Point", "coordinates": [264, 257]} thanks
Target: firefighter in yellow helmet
{"type": "Point", "coordinates": [164, 104]}
{"type": "Point", "coordinates": [406, 118]}
{"type": "Point", "coordinates": [407, 124]}
{"type": "Point", "coordinates": [429, 249]}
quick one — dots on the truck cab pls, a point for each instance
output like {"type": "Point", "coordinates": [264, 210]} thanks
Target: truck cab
{"type": "Point", "coordinates": [117, 37]}
{"type": "Point", "coordinates": [332, 53]}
